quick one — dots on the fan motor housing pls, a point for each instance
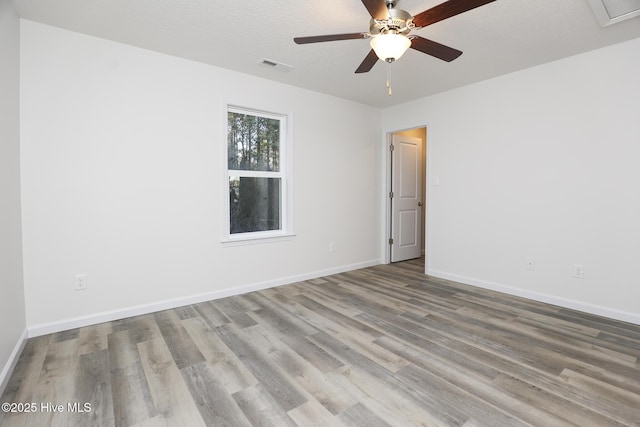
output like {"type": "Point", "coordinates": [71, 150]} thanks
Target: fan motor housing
{"type": "Point", "coordinates": [399, 22]}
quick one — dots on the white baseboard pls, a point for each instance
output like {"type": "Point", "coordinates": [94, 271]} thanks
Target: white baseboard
{"type": "Point", "coordinates": [598, 310]}
{"type": "Point", "coordinates": [108, 316]}
{"type": "Point", "coordinates": [13, 360]}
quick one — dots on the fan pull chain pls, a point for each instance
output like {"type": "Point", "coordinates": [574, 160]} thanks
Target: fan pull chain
{"type": "Point", "coordinates": [389, 90]}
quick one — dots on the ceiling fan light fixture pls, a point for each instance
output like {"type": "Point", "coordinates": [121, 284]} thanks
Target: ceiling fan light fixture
{"type": "Point", "coordinates": [390, 46]}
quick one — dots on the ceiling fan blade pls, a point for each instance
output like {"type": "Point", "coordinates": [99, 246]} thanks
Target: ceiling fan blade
{"type": "Point", "coordinates": [368, 63]}
{"type": "Point", "coordinates": [446, 10]}
{"type": "Point", "coordinates": [432, 48]}
{"type": "Point", "coordinates": [377, 9]}
{"type": "Point", "coordinates": [330, 38]}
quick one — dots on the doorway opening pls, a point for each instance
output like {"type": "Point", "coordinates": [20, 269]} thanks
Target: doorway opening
{"type": "Point", "coordinates": [406, 194]}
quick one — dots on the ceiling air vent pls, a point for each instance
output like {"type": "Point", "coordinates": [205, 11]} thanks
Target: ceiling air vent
{"type": "Point", "coordinates": [611, 12]}
{"type": "Point", "coordinates": [275, 65]}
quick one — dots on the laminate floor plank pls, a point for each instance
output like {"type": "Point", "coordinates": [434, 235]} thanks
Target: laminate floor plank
{"type": "Point", "coordinates": [315, 293]}
{"type": "Point", "coordinates": [265, 371]}
{"type": "Point", "coordinates": [234, 311]}
{"type": "Point", "coordinates": [413, 299]}
{"type": "Point", "coordinates": [366, 401]}
{"type": "Point", "coordinates": [627, 404]}
{"type": "Point", "coordinates": [336, 317]}
{"type": "Point", "coordinates": [24, 380]}
{"type": "Point", "coordinates": [614, 327]}
{"type": "Point", "coordinates": [458, 355]}
{"type": "Point", "coordinates": [261, 409]}
{"type": "Point", "coordinates": [508, 367]}
{"type": "Point", "coordinates": [184, 350]}
{"type": "Point", "coordinates": [629, 384]}
{"type": "Point", "coordinates": [217, 407]}
{"type": "Point", "coordinates": [170, 394]}
{"type": "Point", "coordinates": [359, 416]}
{"type": "Point", "coordinates": [375, 377]}
{"type": "Point", "coordinates": [545, 355]}
{"type": "Point", "coordinates": [144, 328]}
{"type": "Point", "coordinates": [211, 314]}
{"type": "Point", "coordinates": [132, 402]}
{"type": "Point", "coordinates": [186, 312]}
{"type": "Point", "coordinates": [363, 301]}
{"type": "Point", "coordinates": [311, 413]}
{"type": "Point", "coordinates": [406, 411]}
{"type": "Point", "coordinates": [481, 389]}
{"type": "Point", "coordinates": [455, 404]}
{"type": "Point", "coordinates": [224, 363]}
{"type": "Point", "coordinates": [527, 315]}
{"type": "Point", "coordinates": [26, 374]}
{"type": "Point", "coordinates": [207, 341]}
{"type": "Point", "coordinates": [381, 346]}
{"type": "Point", "coordinates": [93, 338]}
{"type": "Point", "coordinates": [493, 341]}
{"type": "Point", "coordinates": [53, 386]}
{"type": "Point", "coordinates": [92, 393]}
{"type": "Point", "coordinates": [71, 334]}
{"type": "Point", "coordinates": [561, 388]}
{"type": "Point", "coordinates": [299, 343]}
{"type": "Point", "coordinates": [632, 345]}
{"type": "Point", "coordinates": [286, 322]}
{"type": "Point", "coordinates": [552, 403]}
{"type": "Point", "coordinates": [306, 376]}
{"type": "Point", "coordinates": [560, 334]}
{"type": "Point", "coordinates": [359, 341]}
{"type": "Point", "coordinates": [588, 348]}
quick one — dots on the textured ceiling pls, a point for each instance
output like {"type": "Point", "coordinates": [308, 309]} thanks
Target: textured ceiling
{"type": "Point", "coordinates": [498, 38]}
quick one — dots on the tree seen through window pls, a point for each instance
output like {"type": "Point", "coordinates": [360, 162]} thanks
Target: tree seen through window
{"type": "Point", "coordinates": [255, 184]}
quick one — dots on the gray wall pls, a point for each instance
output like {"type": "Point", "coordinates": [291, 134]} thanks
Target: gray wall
{"type": "Point", "coordinates": [123, 179]}
{"type": "Point", "coordinates": [12, 307]}
{"type": "Point", "coordinates": [541, 163]}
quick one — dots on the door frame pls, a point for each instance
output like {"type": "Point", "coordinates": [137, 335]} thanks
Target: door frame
{"type": "Point", "coordinates": [386, 225]}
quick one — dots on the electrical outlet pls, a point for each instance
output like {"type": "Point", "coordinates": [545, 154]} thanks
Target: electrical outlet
{"type": "Point", "coordinates": [332, 247]}
{"type": "Point", "coordinates": [81, 282]}
{"type": "Point", "coordinates": [578, 271]}
{"type": "Point", "coordinates": [531, 263]}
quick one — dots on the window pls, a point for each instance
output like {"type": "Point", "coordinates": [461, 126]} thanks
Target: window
{"type": "Point", "coordinates": [609, 12]}
{"type": "Point", "coordinates": [257, 175]}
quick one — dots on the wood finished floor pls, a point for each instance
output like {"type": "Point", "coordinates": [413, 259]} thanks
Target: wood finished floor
{"type": "Point", "coordinates": [381, 346]}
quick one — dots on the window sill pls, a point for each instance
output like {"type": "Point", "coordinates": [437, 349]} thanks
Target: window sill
{"type": "Point", "coordinates": [256, 240]}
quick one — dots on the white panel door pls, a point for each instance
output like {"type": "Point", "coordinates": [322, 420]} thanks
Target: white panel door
{"type": "Point", "coordinates": [406, 203]}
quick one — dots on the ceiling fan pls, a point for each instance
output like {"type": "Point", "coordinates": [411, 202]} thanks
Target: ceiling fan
{"type": "Point", "coordinates": [390, 28]}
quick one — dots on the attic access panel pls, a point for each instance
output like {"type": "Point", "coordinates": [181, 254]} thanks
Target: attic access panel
{"type": "Point", "coordinates": [609, 12]}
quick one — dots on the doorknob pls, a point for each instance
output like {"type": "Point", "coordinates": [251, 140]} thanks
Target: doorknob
{"type": "Point", "coordinates": [419, 203]}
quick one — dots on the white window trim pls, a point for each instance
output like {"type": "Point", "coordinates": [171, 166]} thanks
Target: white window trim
{"type": "Point", "coordinates": [602, 14]}
{"type": "Point", "coordinates": [285, 174]}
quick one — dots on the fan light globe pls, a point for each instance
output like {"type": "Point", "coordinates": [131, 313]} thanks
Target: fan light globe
{"type": "Point", "coordinates": [390, 46]}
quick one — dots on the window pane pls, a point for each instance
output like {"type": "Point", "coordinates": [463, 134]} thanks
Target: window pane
{"type": "Point", "coordinates": [255, 204]}
{"type": "Point", "coordinates": [253, 142]}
